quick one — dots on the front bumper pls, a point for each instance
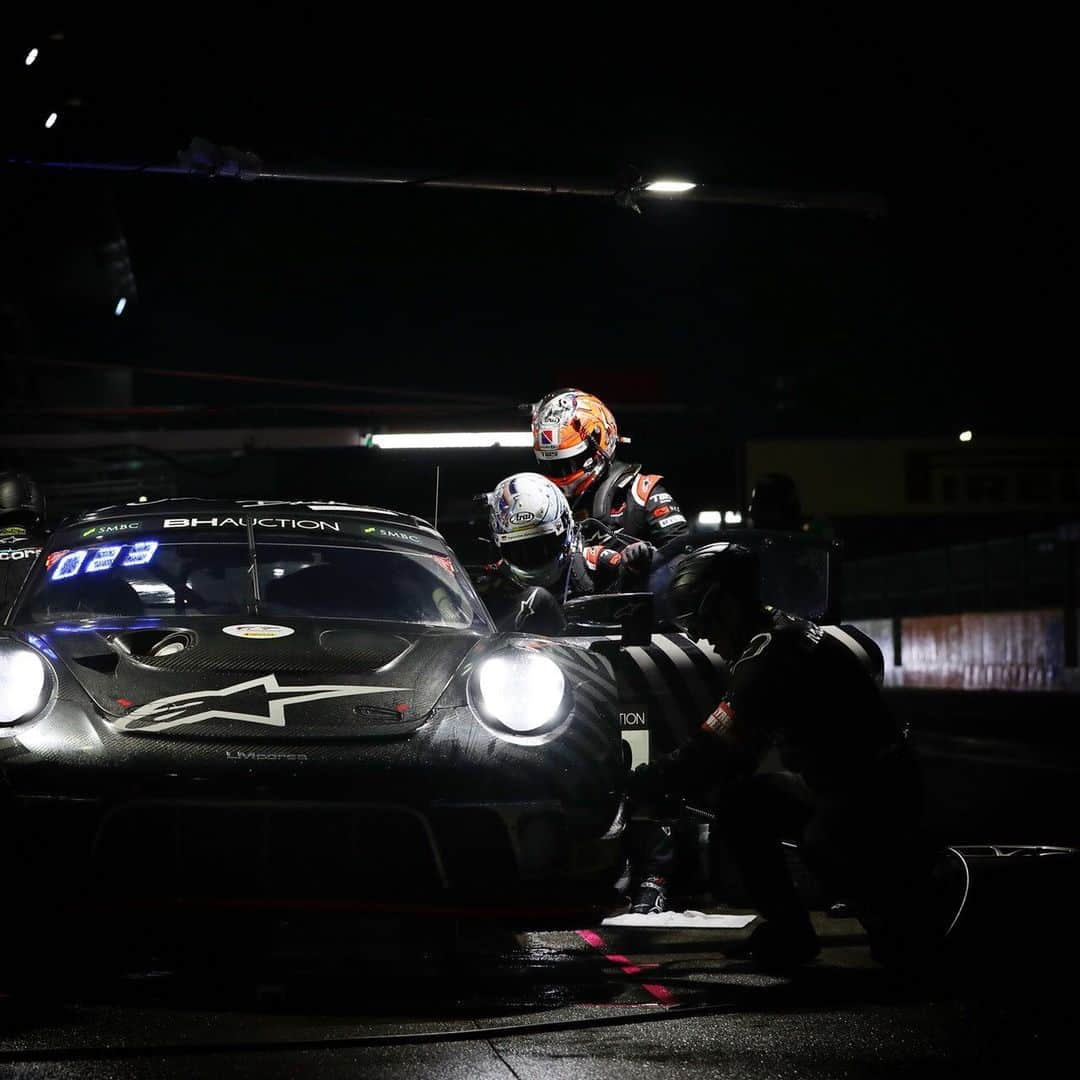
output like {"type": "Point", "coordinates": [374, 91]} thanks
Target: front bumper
{"type": "Point", "coordinates": [533, 863]}
{"type": "Point", "coordinates": [449, 815]}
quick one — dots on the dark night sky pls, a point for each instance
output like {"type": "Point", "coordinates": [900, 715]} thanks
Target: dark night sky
{"type": "Point", "coordinates": [788, 321]}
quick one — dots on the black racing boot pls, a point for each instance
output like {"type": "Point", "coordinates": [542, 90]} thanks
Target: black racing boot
{"type": "Point", "coordinates": [651, 897]}
{"type": "Point", "coordinates": [779, 946]}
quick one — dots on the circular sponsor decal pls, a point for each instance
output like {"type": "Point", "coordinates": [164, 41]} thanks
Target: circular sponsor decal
{"type": "Point", "coordinates": [257, 631]}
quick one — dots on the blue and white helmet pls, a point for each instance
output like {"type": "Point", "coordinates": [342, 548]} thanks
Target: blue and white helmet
{"type": "Point", "coordinates": [532, 527]}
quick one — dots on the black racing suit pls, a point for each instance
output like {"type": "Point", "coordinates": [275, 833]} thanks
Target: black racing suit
{"type": "Point", "coordinates": [635, 502]}
{"type": "Point", "coordinates": [533, 609]}
{"type": "Point", "coordinates": [850, 794]}
{"type": "Point", "coordinates": [639, 505]}
{"type": "Point", "coordinates": [19, 548]}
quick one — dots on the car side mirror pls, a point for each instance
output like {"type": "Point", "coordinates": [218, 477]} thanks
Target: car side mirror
{"type": "Point", "coordinates": [627, 614]}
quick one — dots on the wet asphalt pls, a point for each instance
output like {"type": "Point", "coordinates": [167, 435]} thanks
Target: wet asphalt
{"type": "Point", "coordinates": [326, 1000]}
{"type": "Point", "coordinates": [331, 998]}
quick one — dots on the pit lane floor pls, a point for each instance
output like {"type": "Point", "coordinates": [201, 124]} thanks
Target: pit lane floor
{"type": "Point", "coordinates": [297, 1007]}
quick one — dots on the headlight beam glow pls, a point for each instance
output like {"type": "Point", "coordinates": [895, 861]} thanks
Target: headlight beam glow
{"type": "Point", "coordinates": [521, 690]}
{"type": "Point", "coordinates": [22, 682]}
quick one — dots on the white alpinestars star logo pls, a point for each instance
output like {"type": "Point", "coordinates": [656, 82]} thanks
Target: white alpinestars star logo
{"type": "Point", "coordinates": [193, 708]}
{"type": "Point", "coordinates": [527, 606]}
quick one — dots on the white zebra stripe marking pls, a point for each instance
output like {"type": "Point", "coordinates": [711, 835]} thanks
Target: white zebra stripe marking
{"type": "Point", "coordinates": [658, 685]}
{"type": "Point", "coordinates": [694, 682]}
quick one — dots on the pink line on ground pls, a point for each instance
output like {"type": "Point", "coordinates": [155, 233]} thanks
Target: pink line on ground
{"type": "Point", "coordinates": [661, 993]}
{"type": "Point", "coordinates": [590, 937]}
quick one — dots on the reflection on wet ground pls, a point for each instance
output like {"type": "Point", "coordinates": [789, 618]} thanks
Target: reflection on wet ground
{"type": "Point", "coordinates": [562, 1003]}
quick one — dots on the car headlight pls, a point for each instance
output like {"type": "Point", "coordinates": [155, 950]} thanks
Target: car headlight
{"type": "Point", "coordinates": [24, 683]}
{"type": "Point", "coordinates": [520, 693]}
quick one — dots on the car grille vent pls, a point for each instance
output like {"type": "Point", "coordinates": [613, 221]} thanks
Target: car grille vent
{"type": "Point", "coordinates": [195, 660]}
{"type": "Point", "coordinates": [341, 652]}
{"type": "Point", "coordinates": [371, 649]}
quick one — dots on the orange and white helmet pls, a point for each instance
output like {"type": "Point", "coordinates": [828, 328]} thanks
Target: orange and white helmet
{"type": "Point", "coordinates": [574, 439]}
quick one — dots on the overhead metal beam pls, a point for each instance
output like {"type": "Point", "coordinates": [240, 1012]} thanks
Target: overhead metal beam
{"type": "Point", "coordinates": [200, 440]}
{"type": "Point", "coordinates": [192, 439]}
{"type": "Point", "coordinates": [241, 166]}
{"type": "Point", "coordinates": [247, 378]}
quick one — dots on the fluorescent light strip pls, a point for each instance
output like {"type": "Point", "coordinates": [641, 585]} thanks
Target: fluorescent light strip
{"type": "Point", "coordinates": [448, 440]}
{"type": "Point", "coordinates": [670, 187]}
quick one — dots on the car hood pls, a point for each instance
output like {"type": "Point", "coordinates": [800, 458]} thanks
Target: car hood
{"type": "Point", "coordinates": [302, 678]}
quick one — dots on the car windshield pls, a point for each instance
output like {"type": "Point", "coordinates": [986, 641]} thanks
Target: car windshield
{"type": "Point", "coordinates": [146, 578]}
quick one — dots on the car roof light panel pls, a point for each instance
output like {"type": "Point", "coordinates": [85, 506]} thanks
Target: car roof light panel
{"type": "Point", "coordinates": [69, 565]}
{"type": "Point", "coordinates": [139, 554]}
{"type": "Point", "coordinates": [103, 558]}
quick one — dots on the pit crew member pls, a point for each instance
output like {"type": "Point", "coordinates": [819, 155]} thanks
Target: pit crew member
{"type": "Point", "coordinates": [850, 792]}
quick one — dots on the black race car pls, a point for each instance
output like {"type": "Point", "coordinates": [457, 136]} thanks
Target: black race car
{"type": "Point", "coordinates": [217, 703]}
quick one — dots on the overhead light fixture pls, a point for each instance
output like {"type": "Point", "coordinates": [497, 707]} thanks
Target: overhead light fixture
{"type": "Point", "coordinates": [452, 440]}
{"type": "Point", "coordinates": [120, 305]}
{"type": "Point", "coordinates": [670, 187]}
{"type": "Point", "coordinates": [51, 120]}
{"type": "Point", "coordinates": [732, 517]}
{"type": "Point", "coordinates": [710, 517]}
{"type": "Point", "coordinates": [966, 436]}
{"type": "Point", "coordinates": [31, 56]}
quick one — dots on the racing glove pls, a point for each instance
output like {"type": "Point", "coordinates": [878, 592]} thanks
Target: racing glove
{"type": "Point", "coordinates": [647, 783]}
{"type": "Point", "coordinates": [701, 763]}
{"type": "Point", "coordinates": [637, 557]}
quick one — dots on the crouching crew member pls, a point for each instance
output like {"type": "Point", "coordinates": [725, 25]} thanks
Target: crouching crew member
{"type": "Point", "coordinates": [850, 794]}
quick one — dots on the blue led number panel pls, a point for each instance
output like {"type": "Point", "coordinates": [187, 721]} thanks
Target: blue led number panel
{"type": "Point", "coordinates": [141, 553]}
{"type": "Point", "coordinates": [69, 565]}
{"type": "Point", "coordinates": [103, 559]}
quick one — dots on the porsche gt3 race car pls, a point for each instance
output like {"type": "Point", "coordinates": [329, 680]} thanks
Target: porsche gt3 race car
{"type": "Point", "coordinates": [214, 703]}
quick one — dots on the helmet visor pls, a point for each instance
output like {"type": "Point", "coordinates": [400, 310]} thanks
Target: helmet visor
{"type": "Point", "coordinates": [561, 468]}
{"type": "Point", "coordinates": [536, 552]}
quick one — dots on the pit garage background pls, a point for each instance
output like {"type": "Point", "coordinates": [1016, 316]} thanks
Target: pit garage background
{"type": "Point", "coordinates": [168, 333]}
